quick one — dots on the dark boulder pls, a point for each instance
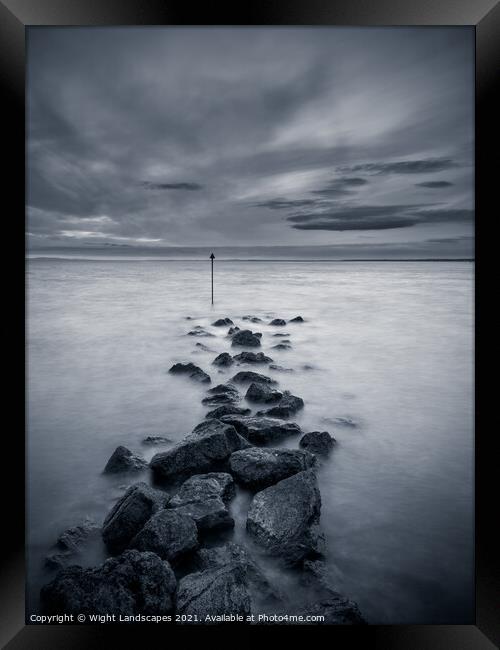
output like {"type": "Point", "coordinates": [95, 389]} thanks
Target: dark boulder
{"type": "Point", "coordinates": [334, 610]}
{"type": "Point", "coordinates": [70, 543]}
{"type": "Point", "coordinates": [317, 442]}
{"type": "Point", "coordinates": [192, 371]}
{"type": "Point", "coordinates": [156, 440]}
{"type": "Point", "coordinates": [169, 534]}
{"type": "Point", "coordinates": [123, 460]}
{"type": "Point", "coordinates": [227, 409]}
{"type": "Point", "coordinates": [257, 468]}
{"type": "Point", "coordinates": [288, 405]}
{"type": "Point", "coordinates": [204, 497]}
{"type": "Point", "coordinates": [260, 431]}
{"type": "Point", "coordinates": [222, 394]}
{"type": "Point", "coordinates": [246, 338]}
{"type": "Point", "coordinates": [221, 322]}
{"type": "Point", "coordinates": [281, 334]}
{"type": "Point", "coordinates": [223, 360]}
{"type": "Point", "coordinates": [129, 514]}
{"type": "Point", "coordinates": [247, 376]}
{"type": "Point", "coordinates": [283, 519]}
{"type": "Point", "coordinates": [279, 322]}
{"type": "Point", "coordinates": [133, 583]}
{"type": "Point", "coordinates": [204, 450]}
{"type": "Point", "coordinates": [252, 357]}
{"type": "Point", "coordinates": [297, 319]}
{"type": "Point", "coordinates": [263, 393]}
{"type": "Point", "coordinates": [232, 331]}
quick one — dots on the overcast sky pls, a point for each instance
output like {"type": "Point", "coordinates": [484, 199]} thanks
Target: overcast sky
{"type": "Point", "coordinates": [358, 140]}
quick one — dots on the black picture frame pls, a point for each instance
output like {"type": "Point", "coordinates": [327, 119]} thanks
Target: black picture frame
{"type": "Point", "coordinates": [15, 16]}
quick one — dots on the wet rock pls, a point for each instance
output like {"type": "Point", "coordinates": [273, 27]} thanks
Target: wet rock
{"type": "Point", "coordinates": [252, 319]}
{"type": "Point", "coordinates": [263, 393]}
{"type": "Point", "coordinates": [227, 409]}
{"type": "Point", "coordinates": [192, 371]}
{"type": "Point", "coordinates": [133, 583]}
{"type": "Point", "coordinates": [297, 319]}
{"type": "Point", "coordinates": [156, 440]}
{"type": "Point", "coordinates": [287, 406]}
{"type": "Point", "coordinates": [169, 534]}
{"type": "Point", "coordinates": [257, 468]}
{"type": "Point", "coordinates": [252, 357]}
{"type": "Point", "coordinates": [204, 450]}
{"type": "Point", "coordinates": [246, 338]}
{"type": "Point", "coordinates": [222, 322]}
{"type": "Point", "coordinates": [280, 368]}
{"type": "Point", "coordinates": [203, 347]}
{"type": "Point", "coordinates": [129, 514]}
{"type": "Point", "coordinates": [247, 376]}
{"type": "Point", "coordinates": [223, 360]}
{"type": "Point", "coordinates": [261, 430]}
{"type": "Point", "coordinates": [308, 366]}
{"type": "Point", "coordinates": [317, 442]}
{"type": "Point", "coordinates": [123, 460]}
{"type": "Point", "coordinates": [70, 543]}
{"type": "Point", "coordinates": [232, 330]}
{"type": "Point", "coordinates": [222, 394]}
{"type": "Point", "coordinates": [199, 331]}
{"type": "Point", "coordinates": [283, 519]}
{"type": "Point", "coordinates": [334, 610]}
{"type": "Point", "coordinates": [204, 497]}
{"type": "Point", "coordinates": [281, 334]}
{"type": "Point", "coordinates": [342, 422]}
{"type": "Point", "coordinates": [278, 322]}
{"type": "Point", "coordinates": [284, 345]}
{"type": "Point", "coordinates": [214, 592]}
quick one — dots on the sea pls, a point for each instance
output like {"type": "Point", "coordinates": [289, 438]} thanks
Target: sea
{"type": "Point", "coordinates": [383, 361]}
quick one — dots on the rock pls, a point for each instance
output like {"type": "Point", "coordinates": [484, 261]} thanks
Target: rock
{"type": "Point", "coordinates": [169, 534]}
{"type": "Point", "coordinates": [252, 319]}
{"type": "Point", "coordinates": [282, 346]}
{"type": "Point", "coordinates": [334, 610]}
{"type": "Point", "coordinates": [281, 334]}
{"type": "Point", "coordinates": [283, 519]}
{"type": "Point", "coordinates": [222, 394]}
{"type": "Point", "coordinates": [252, 357]}
{"type": "Point", "coordinates": [247, 376]}
{"type": "Point", "coordinates": [259, 392]}
{"type": "Point", "coordinates": [246, 338]}
{"type": "Point", "coordinates": [261, 430]}
{"type": "Point", "coordinates": [258, 468]}
{"type": "Point", "coordinates": [230, 553]}
{"type": "Point", "coordinates": [192, 371]}
{"type": "Point", "coordinates": [156, 440]}
{"type": "Point", "coordinates": [123, 460]}
{"type": "Point", "coordinates": [204, 450]}
{"type": "Point", "coordinates": [203, 497]}
{"type": "Point", "coordinates": [342, 421]}
{"type": "Point", "coordinates": [203, 347]}
{"type": "Point", "coordinates": [227, 409]}
{"type": "Point", "coordinates": [199, 331]}
{"type": "Point", "coordinates": [280, 368]}
{"type": "Point", "coordinates": [214, 592]}
{"type": "Point", "coordinates": [221, 322]}
{"type": "Point", "coordinates": [73, 538]}
{"type": "Point", "coordinates": [129, 514]}
{"type": "Point", "coordinates": [317, 442]}
{"type": "Point", "coordinates": [232, 330]}
{"type": "Point", "coordinates": [279, 322]}
{"type": "Point", "coordinates": [133, 583]}
{"type": "Point", "coordinates": [287, 406]}
{"type": "Point", "coordinates": [223, 360]}
{"type": "Point", "coordinates": [297, 319]}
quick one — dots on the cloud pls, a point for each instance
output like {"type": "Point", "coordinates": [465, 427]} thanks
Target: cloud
{"type": "Point", "coordinates": [434, 184]}
{"type": "Point", "coordinates": [423, 166]}
{"type": "Point", "coordinates": [171, 186]}
{"type": "Point", "coordinates": [284, 204]}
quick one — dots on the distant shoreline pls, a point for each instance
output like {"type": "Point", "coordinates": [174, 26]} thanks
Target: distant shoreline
{"type": "Point", "coordinates": [179, 259]}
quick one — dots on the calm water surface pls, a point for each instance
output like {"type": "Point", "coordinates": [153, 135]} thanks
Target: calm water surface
{"type": "Point", "coordinates": [390, 345]}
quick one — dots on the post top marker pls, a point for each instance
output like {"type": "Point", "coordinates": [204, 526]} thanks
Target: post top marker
{"type": "Point", "coordinates": [212, 256]}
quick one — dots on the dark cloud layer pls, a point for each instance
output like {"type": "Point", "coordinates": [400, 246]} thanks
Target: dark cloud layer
{"type": "Point", "coordinates": [303, 137]}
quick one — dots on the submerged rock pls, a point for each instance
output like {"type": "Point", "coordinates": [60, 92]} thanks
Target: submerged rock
{"type": "Point", "coordinates": [281, 334]}
{"type": "Point", "coordinates": [247, 376]}
{"type": "Point", "coordinates": [260, 392]}
{"type": "Point", "coordinates": [345, 421]}
{"type": "Point", "coordinates": [228, 409]}
{"type": "Point", "coordinates": [156, 440]}
{"type": "Point", "coordinates": [70, 542]}
{"type": "Point", "coordinates": [284, 345]}
{"type": "Point", "coordinates": [123, 460]}
{"type": "Point", "coordinates": [133, 583]}
{"type": "Point", "coordinates": [252, 357]}
{"type": "Point", "coordinates": [129, 514]}
{"type": "Point", "coordinates": [317, 442]}
{"type": "Point", "coordinates": [246, 338]}
{"type": "Point", "coordinates": [169, 533]}
{"type": "Point", "coordinates": [252, 319]}
{"type": "Point", "coordinates": [280, 368]}
{"type": "Point", "coordinates": [297, 319]}
{"type": "Point", "coordinates": [203, 347]}
{"type": "Point", "coordinates": [283, 519]}
{"type": "Point", "coordinates": [204, 450]}
{"type": "Point", "coordinates": [204, 497]}
{"type": "Point", "coordinates": [288, 405]}
{"type": "Point", "coordinates": [192, 371]}
{"type": "Point", "coordinates": [335, 610]}
{"type": "Point", "coordinates": [261, 430]}
{"type": "Point", "coordinates": [221, 322]}
{"type": "Point", "coordinates": [199, 331]}
{"type": "Point", "coordinates": [258, 468]}
{"type": "Point", "coordinates": [222, 394]}
{"type": "Point", "coordinates": [223, 360]}
{"type": "Point", "coordinates": [279, 322]}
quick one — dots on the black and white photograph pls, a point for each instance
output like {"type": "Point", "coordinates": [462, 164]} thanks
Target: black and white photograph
{"type": "Point", "coordinates": [250, 325]}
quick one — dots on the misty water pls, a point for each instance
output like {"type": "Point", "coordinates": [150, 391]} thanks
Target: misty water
{"type": "Point", "coordinates": [388, 344]}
